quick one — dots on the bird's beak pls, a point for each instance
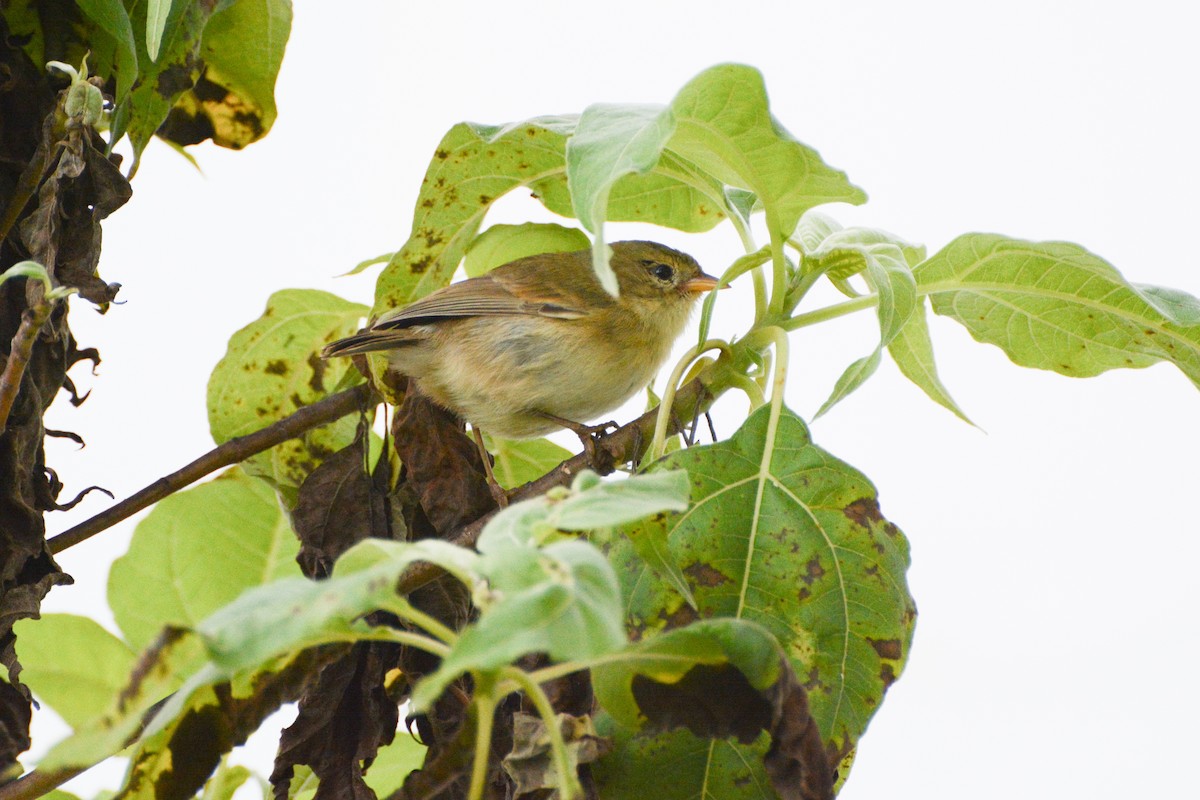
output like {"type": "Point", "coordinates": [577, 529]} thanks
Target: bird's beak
{"type": "Point", "coordinates": [701, 283]}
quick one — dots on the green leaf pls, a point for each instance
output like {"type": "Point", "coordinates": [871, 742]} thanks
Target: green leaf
{"type": "Point", "coordinates": [165, 76]}
{"type": "Point", "coordinates": [669, 656]}
{"type": "Point", "coordinates": [271, 369]}
{"type": "Point", "coordinates": [502, 244]}
{"type": "Point", "coordinates": [391, 766]}
{"type": "Point", "coordinates": [198, 550]}
{"type": "Point", "coordinates": [912, 350]}
{"type": "Point", "coordinates": [1056, 306]}
{"type": "Point", "coordinates": [723, 125]}
{"type": "Point", "coordinates": [268, 621]}
{"type": "Point", "coordinates": [700, 769]}
{"type": "Point", "coordinates": [157, 12]}
{"type": "Point", "coordinates": [112, 18]}
{"type": "Point", "coordinates": [472, 166]}
{"type": "Point", "coordinates": [394, 762]}
{"type": "Point", "coordinates": [783, 534]}
{"type": "Point", "coordinates": [159, 672]}
{"type": "Point", "coordinates": [610, 142]}
{"type": "Point", "coordinates": [72, 664]}
{"type": "Point", "coordinates": [813, 229]}
{"type": "Point", "coordinates": [591, 503]}
{"type": "Point", "coordinates": [567, 587]}
{"type": "Point", "coordinates": [884, 260]}
{"type": "Point", "coordinates": [227, 780]}
{"type": "Point", "coordinates": [521, 461]}
{"type": "Point", "coordinates": [31, 270]}
{"type": "Point", "coordinates": [855, 376]}
{"type": "Point", "coordinates": [676, 195]}
{"type": "Point", "coordinates": [242, 48]}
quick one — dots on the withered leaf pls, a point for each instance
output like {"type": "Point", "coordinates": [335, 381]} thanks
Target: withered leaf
{"type": "Point", "coordinates": [530, 764]}
{"type": "Point", "coordinates": [345, 716]}
{"type": "Point", "coordinates": [338, 505]}
{"type": "Point", "coordinates": [442, 466]}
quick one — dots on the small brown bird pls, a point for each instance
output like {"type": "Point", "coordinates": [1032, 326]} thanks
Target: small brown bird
{"type": "Point", "coordinates": [538, 344]}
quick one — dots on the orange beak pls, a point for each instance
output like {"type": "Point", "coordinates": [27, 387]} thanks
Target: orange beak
{"type": "Point", "coordinates": [701, 283]}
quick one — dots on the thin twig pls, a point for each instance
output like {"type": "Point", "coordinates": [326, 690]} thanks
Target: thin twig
{"type": "Point", "coordinates": [37, 783]}
{"type": "Point", "coordinates": [234, 451]}
{"type": "Point", "coordinates": [32, 320]}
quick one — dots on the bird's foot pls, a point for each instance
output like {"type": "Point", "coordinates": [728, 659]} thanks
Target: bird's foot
{"type": "Point", "coordinates": [590, 436]}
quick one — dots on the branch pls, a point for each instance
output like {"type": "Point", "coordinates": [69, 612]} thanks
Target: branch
{"type": "Point", "coordinates": [32, 320]}
{"type": "Point", "coordinates": [37, 783]}
{"type": "Point", "coordinates": [232, 452]}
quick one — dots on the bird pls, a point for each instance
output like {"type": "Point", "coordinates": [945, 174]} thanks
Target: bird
{"type": "Point", "coordinates": [538, 344]}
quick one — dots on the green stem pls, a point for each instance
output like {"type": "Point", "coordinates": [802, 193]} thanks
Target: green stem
{"type": "Point", "coordinates": [405, 610]}
{"type": "Point", "coordinates": [832, 312]}
{"type": "Point", "coordinates": [663, 421]}
{"type": "Point", "coordinates": [752, 390]}
{"type": "Point", "coordinates": [568, 780]}
{"type": "Point", "coordinates": [485, 707]}
{"type": "Point", "coordinates": [779, 273]}
{"type": "Point", "coordinates": [385, 634]}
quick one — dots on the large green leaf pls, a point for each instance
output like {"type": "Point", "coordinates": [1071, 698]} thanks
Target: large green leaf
{"type": "Point", "coordinates": [609, 143]}
{"type": "Point", "coordinates": [723, 125]}
{"type": "Point", "coordinates": [501, 244]}
{"type": "Point", "coordinates": [234, 103]}
{"type": "Point", "coordinates": [783, 534]}
{"type": "Point", "coordinates": [164, 76]}
{"type": "Point", "coordinates": [699, 769]}
{"type": "Point", "coordinates": [72, 664]}
{"type": "Point", "coordinates": [472, 166]}
{"type": "Point", "coordinates": [271, 369]}
{"type": "Point", "coordinates": [1056, 306]}
{"type": "Point", "coordinates": [196, 551]}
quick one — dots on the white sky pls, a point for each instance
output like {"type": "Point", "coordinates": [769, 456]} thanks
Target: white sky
{"type": "Point", "coordinates": [1054, 555]}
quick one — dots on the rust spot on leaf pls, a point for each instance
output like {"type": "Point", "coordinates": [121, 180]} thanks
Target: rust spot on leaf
{"type": "Point", "coordinates": [680, 617]}
{"type": "Point", "coordinates": [318, 366]}
{"type": "Point", "coordinates": [419, 266]}
{"type": "Point", "coordinates": [427, 203]}
{"type": "Point", "coordinates": [276, 367]}
{"type": "Point", "coordinates": [863, 512]}
{"type": "Point", "coordinates": [705, 575]}
{"type": "Point", "coordinates": [887, 675]}
{"type": "Point", "coordinates": [442, 155]}
{"type": "Point", "coordinates": [813, 571]}
{"type": "Point", "coordinates": [484, 199]}
{"type": "Point", "coordinates": [813, 682]}
{"type": "Point", "coordinates": [887, 648]}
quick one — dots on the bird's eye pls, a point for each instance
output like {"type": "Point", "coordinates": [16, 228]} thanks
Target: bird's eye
{"type": "Point", "coordinates": [664, 272]}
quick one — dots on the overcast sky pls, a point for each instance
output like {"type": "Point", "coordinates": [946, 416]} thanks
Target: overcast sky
{"type": "Point", "coordinates": [1054, 551]}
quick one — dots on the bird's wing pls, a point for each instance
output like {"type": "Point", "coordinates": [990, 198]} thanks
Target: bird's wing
{"type": "Point", "coordinates": [489, 295]}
